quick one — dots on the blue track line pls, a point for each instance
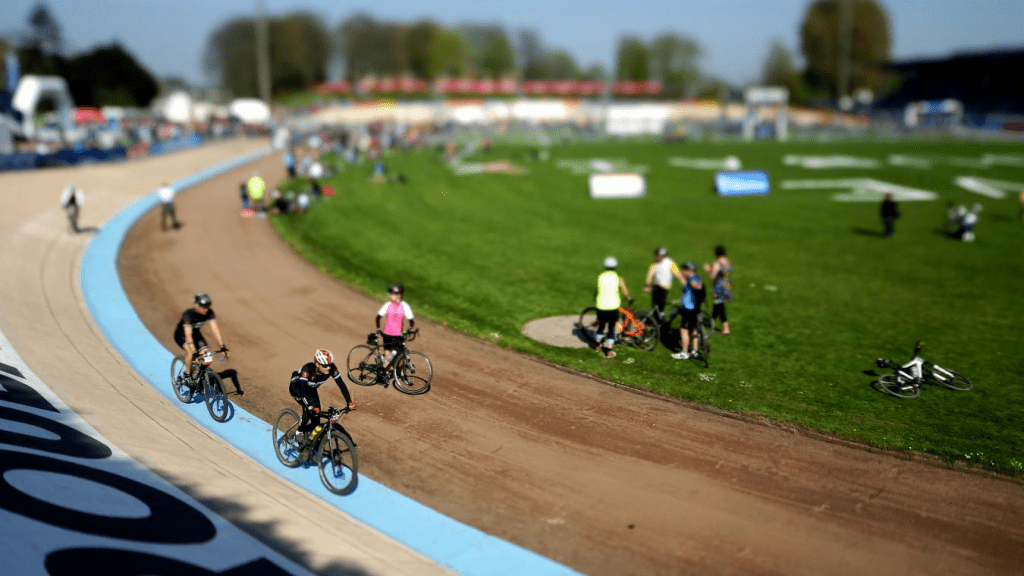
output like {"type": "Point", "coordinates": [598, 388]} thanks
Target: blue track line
{"type": "Point", "coordinates": [448, 542]}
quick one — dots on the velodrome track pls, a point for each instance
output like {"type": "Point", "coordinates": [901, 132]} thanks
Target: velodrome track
{"type": "Point", "coordinates": [601, 479]}
{"type": "Point", "coordinates": [43, 315]}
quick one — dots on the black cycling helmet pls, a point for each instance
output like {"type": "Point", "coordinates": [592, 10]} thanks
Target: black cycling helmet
{"type": "Point", "coordinates": [689, 265]}
{"type": "Point", "coordinates": [203, 300]}
{"type": "Point", "coordinates": [396, 289]}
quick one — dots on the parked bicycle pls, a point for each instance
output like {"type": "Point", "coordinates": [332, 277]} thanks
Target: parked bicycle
{"type": "Point", "coordinates": [196, 377]}
{"type": "Point", "coordinates": [637, 329]}
{"type": "Point", "coordinates": [329, 446]}
{"type": "Point", "coordinates": [409, 370]}
{"type": "Point", "coordinates": [906, 380]}
{"type": "Point", "coordinates": [705, 329]}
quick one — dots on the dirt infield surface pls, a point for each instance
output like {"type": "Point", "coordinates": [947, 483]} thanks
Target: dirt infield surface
{"type": "Point", "coordinates": [602, 479]}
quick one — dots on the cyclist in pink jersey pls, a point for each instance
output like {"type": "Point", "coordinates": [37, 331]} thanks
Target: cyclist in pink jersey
{"type": "Point", "coordinates": [394, 312]}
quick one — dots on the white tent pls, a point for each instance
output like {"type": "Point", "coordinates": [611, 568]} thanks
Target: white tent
{"type": "Point", "coordinates": [31, 89]}
{"type": "Point", "coordinates": [250, 110]}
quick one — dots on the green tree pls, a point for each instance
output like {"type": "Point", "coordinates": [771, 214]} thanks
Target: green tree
{"type": "Point", "coordinates": [634, 60]}
{"type": "Point", "coordinates": [869, 47]}
{"type": "Point", "coordinates": [109, 76]}
{"type": "Point", "coordinates": [449, 55]}
{"type": "Point", "coordinates": [779, 70]}
{"type": "Point", "coordinates": [673, 61]}
{"type": "Point", "coordinates": [369, 46]}
{"type": "Point", "coordinates": [46, 32]}
{"type": "Point", "coordinates": [498, 58]}
{"type": "Point", "coordinates": [595, 72]}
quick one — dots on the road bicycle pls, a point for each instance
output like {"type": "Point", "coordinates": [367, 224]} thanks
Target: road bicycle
{"type": "Point", "coordinates": [705, 329]}
{"type": "Point", "coordinates": [638, 329]}
{"type": "Point", "coordinates": [201, 379]}
{"type": "Point", "coordinates": [329, 446]}
{"type": "Point", "coordinates": [906, 380]}
{"type": "Point", "coordinates": [409, 370]}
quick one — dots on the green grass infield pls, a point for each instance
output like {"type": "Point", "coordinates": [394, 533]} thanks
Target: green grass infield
{"type": "Point", "coordinates": [818, 292]}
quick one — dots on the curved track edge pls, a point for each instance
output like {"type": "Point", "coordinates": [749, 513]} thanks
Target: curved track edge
{"type": "Point", "coordinates": [440, 538]}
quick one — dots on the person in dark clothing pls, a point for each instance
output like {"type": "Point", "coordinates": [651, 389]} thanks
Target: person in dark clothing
{"type": "Point", "coordinates": [890, 212]}
{"type": "Point", "coordinates": [304, 384]}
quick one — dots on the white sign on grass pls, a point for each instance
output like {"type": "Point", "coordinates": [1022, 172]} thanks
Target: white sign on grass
{"type": "Point", "coordinates": [927, 162]}
{"type": "Point", "coordinates": [992, 188]}
{"type": "Point", "coordinates": [834, 161]}
{"type": "Point", "coordinates": [727, 163]}
{"type": "Point", "coordinates": [599, 165]}
{"type": "Point", "coordinates": [862, 189]}
{"type": "Point", "coordinates": [617, 186]}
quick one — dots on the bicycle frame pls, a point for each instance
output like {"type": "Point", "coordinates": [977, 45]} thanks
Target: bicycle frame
{"type": "Point", "coordinates": [911, 371]}
{"type": "Point", "coordinates": [630, 325]}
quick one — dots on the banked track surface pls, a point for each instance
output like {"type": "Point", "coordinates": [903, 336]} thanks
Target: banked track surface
{"type": "Point", "coordinates": [44, 317]}
{"type": "Point", "coordinates": [603, 480]}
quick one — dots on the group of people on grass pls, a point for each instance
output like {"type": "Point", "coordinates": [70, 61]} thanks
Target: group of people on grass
{"type": "Point", "coordinates": [305, 382]}
{"type": "Point", "coordinates": [659, 280]}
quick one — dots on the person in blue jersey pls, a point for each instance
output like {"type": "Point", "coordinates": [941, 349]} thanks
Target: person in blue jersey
{"type": "Point", "coordinates": [608, 302]}
{"type": "Point", "coordinates": [693, 297]}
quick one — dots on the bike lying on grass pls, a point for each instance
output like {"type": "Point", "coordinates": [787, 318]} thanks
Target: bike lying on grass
{"type": "Point", "coordinates": [637, 329]}
{"type": "Point", "coordinates": [201, 379]}
{"type": "Point", "coordinates": [329, 445]}
{"type": "Point", "coordinates": [411, 371]}
{"type": "Point", "coordinates": [906, 380]}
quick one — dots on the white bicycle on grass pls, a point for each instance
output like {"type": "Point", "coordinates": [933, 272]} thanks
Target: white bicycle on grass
{"type": "Point", "coordinates": [906, 380]}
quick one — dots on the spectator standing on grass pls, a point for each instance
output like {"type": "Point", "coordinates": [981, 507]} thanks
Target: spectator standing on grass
{"type": "Point", "coordinates": [243, 192]}
{"type": "Point", "coordinates": [167, 207]}
{"type": "Point", "coordinates": [289, 162]}
{"type": "Point", "coordinates": [720, 272]}
{"type": "Point", "coordinates": [693, 291]}
{"type": "Point", "coordinates": [608, 302]}
{"type": "Point", "coordinates": [890, 212]}
{"type": "Point", "coordinates": [659, 281]}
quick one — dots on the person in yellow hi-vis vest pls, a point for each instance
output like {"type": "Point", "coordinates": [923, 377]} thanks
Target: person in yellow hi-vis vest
{"type": "Point", "coordinates": [608, 302]}
{"type": "Point", "coordinates": [256, 187]}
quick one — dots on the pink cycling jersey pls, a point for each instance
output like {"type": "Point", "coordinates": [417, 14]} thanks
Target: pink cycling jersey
{"type": "Point", "coordinates": [393, 312]}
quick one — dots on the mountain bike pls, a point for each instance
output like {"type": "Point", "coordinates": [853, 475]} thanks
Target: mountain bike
{"type": "Point", "coordinates": [705, 329]}
{"type": "Point", "coordinates": [637, 329]}
{"type": "Point", "coordinates": [200, 378]}
{"type": "Point", "coordinates": [329, 445]}
{"type": "Point", "coordinates": [906, 380]}
{"type": "Point", "coordinates": [409, 370]}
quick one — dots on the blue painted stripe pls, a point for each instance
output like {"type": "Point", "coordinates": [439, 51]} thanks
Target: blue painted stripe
{"type": "Point", "coordinates": [449, 542]}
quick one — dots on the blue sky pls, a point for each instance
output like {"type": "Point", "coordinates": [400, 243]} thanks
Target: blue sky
{"type": "Point", "coordinates": [169, 36]}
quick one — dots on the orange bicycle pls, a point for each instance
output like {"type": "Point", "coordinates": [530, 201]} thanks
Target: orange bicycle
{"type": "Point", "coordinates": [638, 329]}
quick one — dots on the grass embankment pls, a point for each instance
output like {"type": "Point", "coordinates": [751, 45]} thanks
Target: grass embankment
{"type": "Point", "coordinates": [484, 254]}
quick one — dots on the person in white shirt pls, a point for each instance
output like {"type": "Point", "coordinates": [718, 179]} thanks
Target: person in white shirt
{"type": "Point", "coordinates": [71, 199]}
{"type": "Point", "coordinates": [659, 281]}
{"type": "Point", "coordinates": [167, 207]}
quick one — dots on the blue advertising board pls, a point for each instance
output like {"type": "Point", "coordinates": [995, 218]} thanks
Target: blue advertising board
{"type": "Point", "coordinates": [742, 183]}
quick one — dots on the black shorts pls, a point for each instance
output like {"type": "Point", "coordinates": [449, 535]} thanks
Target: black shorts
{"type": "Point", "coordinates": [689, 319]}
{"type": "Point", "coordinates": [393, 342]}
{"type": "Point", "coordinates": [197, 339]}
{"type": "Point", "coordinates": [659, 296]}
{"type": "Point", "coordinates": [718, 311]}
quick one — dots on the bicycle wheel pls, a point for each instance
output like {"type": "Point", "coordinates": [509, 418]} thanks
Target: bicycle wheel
{"type": "Point", "coordinates": [362, 365]}
{"type": "Point", "coordinates": [648, 339]}
{"type": "Point", "coordinates": [216, 397]}
{"type": "Point", "coordinates": [338, 462]}
{"type": "Point", "coordinates": [179, 380]}
{"type": "Point", "coordinates": [708, 323]}
{"type": "Point", "coordinates": [703, 346]}
{"type": "Point", "coordinates": [588, 324]}
{"type": "Point", "coordinates": [286, 447]}
{"type": "Point", "coordinates": [891, 384]}
{"type": "Point", "coordinates": [413, 372]}
{"type": "Point", "coordinates": [949, 378]}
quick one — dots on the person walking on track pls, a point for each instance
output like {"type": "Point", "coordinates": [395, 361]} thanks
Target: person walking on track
{"type": "Point", "coordinates": [167, 207]}
{"type": "Point", "coordinates": [71, 199]}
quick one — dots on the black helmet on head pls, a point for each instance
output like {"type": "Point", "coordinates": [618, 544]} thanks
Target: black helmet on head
{"type": "Point", "coordinates": [689, 265]}
{"type": "Point", "coordinates": [203, 300]}
{"type": "Point", "coordinates": [396, 289]}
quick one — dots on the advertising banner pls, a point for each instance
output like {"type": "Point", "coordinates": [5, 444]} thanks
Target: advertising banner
{"type": "Point", "coordinates": [617, 186]}
{"type": "Point", "coordinates": [742, 183]}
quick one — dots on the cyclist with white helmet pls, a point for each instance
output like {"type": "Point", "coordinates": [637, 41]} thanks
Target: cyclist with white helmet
{"type": "Point", "coordinates": [608, 302]}
{"type": "Point", "coordinates": [187, 333]}
{"type": "Point", "coordinates": [659, 281]}
{"type": "Point", "coordinates": [394, 312]}
{"type": "Point", "coordinates": [307, 380]}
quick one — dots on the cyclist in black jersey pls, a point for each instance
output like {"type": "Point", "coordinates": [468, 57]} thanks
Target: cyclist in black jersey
{"type": "Point", "coordinates": [305, 382]}
{"type": "Point", "coordinates": [187, 333]}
